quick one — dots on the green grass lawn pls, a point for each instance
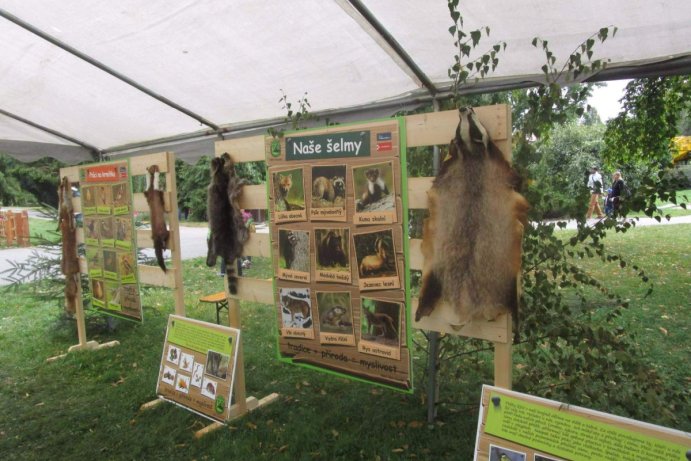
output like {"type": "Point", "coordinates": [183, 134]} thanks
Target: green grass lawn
{"type": "Point", "coordinates": [86, 406]}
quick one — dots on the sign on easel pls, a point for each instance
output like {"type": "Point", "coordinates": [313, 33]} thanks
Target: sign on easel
{"type": "Point", "coordinates": [198, 366]}
{"type": "Point", "coordinates": [520, 427]}
{"type": "Point", "coordinates": [110, 238]}
{"type": "Point", "coordinates": [339, 216]}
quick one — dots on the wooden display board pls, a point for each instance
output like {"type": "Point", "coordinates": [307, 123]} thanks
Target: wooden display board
{"type": "Point", "coordinates": [148, 275]}
{"type": "Point", "coordinates": [520, 427]}
{"type": "Point", "coordinates": [198, 366]}
{"type": "Point", "coordinates": [337, 217]}
{"type": "Point", "coordinates": [14, 228]}
{"type": "Point", "coordinates": [110, 238]}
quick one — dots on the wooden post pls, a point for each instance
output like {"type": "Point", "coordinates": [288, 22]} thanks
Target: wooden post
{"type": "Point", "coordinates": [174, 239]}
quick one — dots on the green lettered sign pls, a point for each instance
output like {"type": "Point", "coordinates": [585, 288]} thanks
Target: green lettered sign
{"type": "Point", "coordinates": [199, 337]}
{"type": "Point", "coordinates": [334, 145]}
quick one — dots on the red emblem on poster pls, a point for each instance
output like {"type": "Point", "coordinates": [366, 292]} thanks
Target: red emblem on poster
{"type": "Point", "coordinates": [384, 146]}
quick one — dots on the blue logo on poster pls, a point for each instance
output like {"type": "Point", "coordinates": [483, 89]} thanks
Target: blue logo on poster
{"type": "Point", "coordinates": [384, 136]}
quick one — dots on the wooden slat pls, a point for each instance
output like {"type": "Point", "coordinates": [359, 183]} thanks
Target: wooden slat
{"type": "Point", "coordinates": [253, 197]}
{"type": "Point", "coordinates": [416, 259]}
{"type": "Point", "coordinates": [417, 192]}
{"type": "Point", "coordinates": [138, 165]}
{"type": "Point", "coordinates": [139, 202]}
{"type": "Point", "coordinates": [153, 275]}
{"type": "Point", "coordinates": [497, 331]}
{"type": "Point", "coordinates": [71, 172]}
{"type": "Point", "coordinates": [258, 245]}
{"type": "Point", "coordinates": [250, 149]}
{"type": "Point", "coordinates": [144, 239]}
{"type": "Point", "coordinates": [257, 290]}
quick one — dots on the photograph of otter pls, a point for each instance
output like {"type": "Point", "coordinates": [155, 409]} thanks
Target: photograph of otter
{"type": "Point", "coordinates": [497, 453]}
{"type": "Point", "coordinates": [374, 188]}
{"type": "Point", "coordinates": [375, 254]}
{"type": "Point", "coordinates": [335, 314]}
{"type": "Point", "coordinates": [380, 322]}
{"type": "Point", "coordinates": [333, 252]}
{"type": "Point", "coordinates": [328, 186]}
{"type": "Point", "coordinates": [296, 307]}
{"type": "Point", "coordinates": [289, 190]}
{"type": "Point", "coordinates": [294, 250]}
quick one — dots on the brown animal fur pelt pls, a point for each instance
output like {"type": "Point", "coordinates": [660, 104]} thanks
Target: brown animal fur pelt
{"type": "Point", "coordinates": [228, 231]}
{"type": "Point", "coordinates": [159, 231]}
{"type": "Point", "coordinates": [69, 263]}
{"type": "Point", "coordinates": [472, 238]}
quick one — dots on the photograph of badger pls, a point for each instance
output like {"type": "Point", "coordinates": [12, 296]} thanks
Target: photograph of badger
{"type": "Point", "coordinates": [375, 254]}
{"type": "Point", "coordinates": [294, 250]}
{"type": "Point", "coordinates": [328, 186]}
{"type": "Point", "coordinates": [332, 249]}
{"type": "Point", "coordinates": [373, 185]}
{"type": "Point", "coordinates": [335, 314]}
{"type": "Point", "coordinates": [380, 321]}
{"type": "Point", "coordinates": [472, 238]}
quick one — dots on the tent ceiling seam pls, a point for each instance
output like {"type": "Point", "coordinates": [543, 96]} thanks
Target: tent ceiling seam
{"type": "Point", "coordinates": [94, 62]}
{"type": "Point", "coordinates": [370, 24]}
{"type": "Point", "coordinates": [86, 145]}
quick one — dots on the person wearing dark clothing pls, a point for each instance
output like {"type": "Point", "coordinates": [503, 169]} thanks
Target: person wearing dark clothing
{"type": "Point", "coordinates": [617, 190]}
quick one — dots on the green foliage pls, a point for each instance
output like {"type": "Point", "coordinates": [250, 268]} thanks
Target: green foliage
{"type": "Point", "coordinates": [26, 184]}
{"type": "Point", "coordinates": [192, 181]}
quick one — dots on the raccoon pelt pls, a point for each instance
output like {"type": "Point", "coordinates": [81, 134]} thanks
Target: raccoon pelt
{"type": "Point", "coordinates": [154, 198]}
{"type": "Point", "coordinates": [472, 238]}
{"type": "Point", "coordinates": [228, 231]}
{"type": "Point", "coordinates": [69, 262]}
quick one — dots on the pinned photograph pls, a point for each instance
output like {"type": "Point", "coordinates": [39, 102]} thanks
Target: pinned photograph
{"type": "Point", "coordinates": [376, 260]}
{"type": "Point", "coordinates": [296, 312]}
{"type": "Point", "coordinates": [114, 293]}
{"type": "Point", "coordinates": [92, 230]}
{"type": "Point", "coordinates": [168, 376]}
{"type": "Point", "coordinates": [332, 256]}
{"type": "Point", "coordinates": [173, 354]}
{"type": "Point", "coordinates": [186, 362]}
{"type": "Point", "coordinates": [380, 322]}
{"type": "Point", "coordinates": [123, 233]}
{"type": "Point", "coordinates": [94, 261]}
{"type": "Point", "coordinates": [98, 293]}
{"type": "Point", "coordinates": [209, 388]}
{"type": "Point", "coordinates": [497, 453]}
{"type": "Point", "coordinates": [375, 197]}
{"type": "Point", "coordinates": [88, 196]}
{"type": "Point", "coordinates": [104, 199]}
{"type": "Point", "coordinates": [294, 255]}
{"type": "Point", "coordinates": [198, 374]}
{"type": "Point", "coordinates": [182, 383]}
{"type": "Point", "coordinates": [335, 318]}
{"type": "Point", "coordinates": [217, 364]}
{"type": "Point", "coordinates": [121, 198]}
{"type": "Point", "coordinates": [289, 195]}
{"type": "Point", "coordinates": [538, 457]}
{"type": "Point", "coordinates": [328, 193]}
{"type": "Point", "coordinates": [110, 264]}
{"type": "Point", "coordinates": [126, 267]}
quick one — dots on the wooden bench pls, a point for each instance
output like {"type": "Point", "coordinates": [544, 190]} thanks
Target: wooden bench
{"type": "Point", "coordinates": [220, 300]}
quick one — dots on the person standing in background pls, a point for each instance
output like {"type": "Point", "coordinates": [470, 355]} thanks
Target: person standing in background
{"type": "Point", "coordinates": [595, 186]}
{"type": "Point", "coordinates": [617, 190]}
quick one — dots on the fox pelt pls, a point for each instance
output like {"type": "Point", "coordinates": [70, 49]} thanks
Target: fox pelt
{"type": "Point", "coordinates": [159, 231]}
{"type": "Point", "coordinates": [69, 262]}
{"type": "Point", "coordinates": [472, 238]}
{"type": "Point", "coordinates": [227, 228]}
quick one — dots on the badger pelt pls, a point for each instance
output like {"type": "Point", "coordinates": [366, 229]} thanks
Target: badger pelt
{"type": "Point", "coordinates": [154, 198]}
{"type": "Point", "coordinates": [472, 238]}
{"type": "Point", "coordinates": [69, 262]}
{"type": "Point", "coordinates": [226, 226]}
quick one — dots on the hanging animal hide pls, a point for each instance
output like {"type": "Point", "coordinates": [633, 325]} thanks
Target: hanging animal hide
{"type": "Point", "coordinates": [472, 238]}
{"type": "Point", "coordinates": [228, 231]}
{"type": "Point", "coordinates": [69, 263]}
{"type": "Point", "coordinates": [159, 231]}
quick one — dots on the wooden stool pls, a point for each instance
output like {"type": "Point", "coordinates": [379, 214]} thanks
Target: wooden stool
{"type": "Point", "coordinates": [220, 300]}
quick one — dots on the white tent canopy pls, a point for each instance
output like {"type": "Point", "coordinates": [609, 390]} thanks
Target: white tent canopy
{"type": "Point", "coordinates": [117, 76]}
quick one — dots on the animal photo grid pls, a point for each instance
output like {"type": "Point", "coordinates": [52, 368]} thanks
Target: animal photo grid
{"type": "Point", "coordinates": [110, 238]}
{"type": "Point", "coordinates": [337, 224]}
{"type": "Point", "coordinates": [198, 366]}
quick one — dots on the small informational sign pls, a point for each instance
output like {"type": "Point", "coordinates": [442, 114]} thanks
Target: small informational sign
{"type": "Point", "coordinates": [338, 216]}
{"type": "Point", "coordinates": [110, 238]}
{"type": "Point", "coordinates": [198, 366]}
{"type": "Point", "coordinates": [519, 427]}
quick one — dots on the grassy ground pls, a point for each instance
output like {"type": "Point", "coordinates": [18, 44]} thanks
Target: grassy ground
{"type": "Point", "coordinates": [86, 406]}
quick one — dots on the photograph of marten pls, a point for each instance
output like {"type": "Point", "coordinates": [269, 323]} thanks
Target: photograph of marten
{"type": "Point", "coordinates": [328, 186]}
{"type": "Point", "coordinates": [335, 313]}
{"type": "Point", "coordinates": [380, 322]}
{"type": "Point", "coordinates": [288, 190]}
{"type": "Point", "coordinates": [375, 254]}
{"type": "Point", "coordinates": [333, 252]}
{"type": "Point", "coordinates": [294, 250]}
{"type": "Point", "coordinates": [374, 188]}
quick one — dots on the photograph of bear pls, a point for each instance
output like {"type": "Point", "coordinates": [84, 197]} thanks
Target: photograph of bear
{"type": "Point", "coordinates": [333, 253]}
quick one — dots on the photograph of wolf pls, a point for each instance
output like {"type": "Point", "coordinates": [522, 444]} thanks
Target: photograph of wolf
{"type": "Point", "coordinates": [328, 186]}
{"type": "Point", "coordinates": [380, 322]}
